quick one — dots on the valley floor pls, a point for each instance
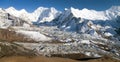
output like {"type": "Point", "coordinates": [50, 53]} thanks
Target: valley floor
{"type": "Point", "coordinates": [52, 59]}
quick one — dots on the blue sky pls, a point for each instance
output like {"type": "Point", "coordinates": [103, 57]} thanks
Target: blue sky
{"type": "Point", "coordinates": [31, 5]}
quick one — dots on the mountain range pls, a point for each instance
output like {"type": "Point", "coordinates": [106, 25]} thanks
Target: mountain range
{"type": "Point", "coordinates": [104, 23]}
{"type": "Point", "coordinates": [90, 21]}
{"type": "Point", "coordinates": [41, 13]}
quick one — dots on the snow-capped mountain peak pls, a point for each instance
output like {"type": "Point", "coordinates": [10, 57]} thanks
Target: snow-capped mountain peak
{"type": "Point", "coordinates": [23, 11]}
{"type": "Point", "coordinates": [88, 14]}
{"type": "Point", "coordinates": [85, 13]}
{"type": "Point", "coordinates": [39, 10]}
{"type": "Point", "coordinates": [47, 15]}
{"type": "Point", "coordinates": [53, 9]}
{"type": "Point", "coordinates": [11, 8]}
{"type": "Point", "coordinates": [12, 11]}
{"type": "Point", "coordinates": [40, 14]}
{"type": "Point", "coordinates": [37, 13]}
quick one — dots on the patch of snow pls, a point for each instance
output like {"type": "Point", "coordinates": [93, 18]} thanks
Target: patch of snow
{"type": "Point", "coordinates": [85, 41]}
{"type": "Point", "coordinates": [26, 25]}
{"type": "Point", "coordinates": [97, 55]}
{"type": "Point", "coordinates": [88, 53]}
{"type": "Point", "coordinates": [108, 34]}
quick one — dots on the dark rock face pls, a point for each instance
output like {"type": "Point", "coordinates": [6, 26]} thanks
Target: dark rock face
{"type": "Point", "coordinates": [118, 19]}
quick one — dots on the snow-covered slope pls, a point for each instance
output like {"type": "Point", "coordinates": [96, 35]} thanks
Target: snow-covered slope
{"type": "Point", "coordinates": [48, 15]}
{"type": "Point", "coordinates": [21, 13]}
{"type": "Point", "coordinates": [96, 23]}
{"type": "Point", "coordinates": [89, 14]}
{"type": "Point", "coordinates": [36, 36]}
{"type": "Point", "coordinates": [41, 14]}
{"type": "Point", "coordinates": [37, 12]}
